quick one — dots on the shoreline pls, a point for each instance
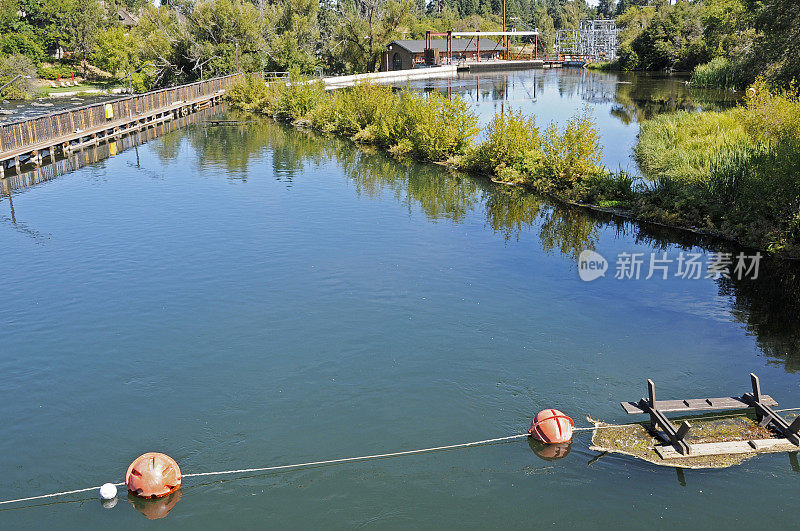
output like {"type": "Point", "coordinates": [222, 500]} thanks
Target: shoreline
{"type": "Point", "coordinates": [592, 207]}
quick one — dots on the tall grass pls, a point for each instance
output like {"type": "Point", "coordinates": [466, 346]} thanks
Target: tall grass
{"type": "Point", "coordinates": [735, 172]}
{"type": "Point", "coordinates": [682, 145]}
{"type": "Point", "coordinates": [720, 72]}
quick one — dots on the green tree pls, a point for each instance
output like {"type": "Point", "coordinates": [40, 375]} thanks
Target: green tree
{"type": "Point", "coordinates": [12, 66]}
{"type": "Point", "coordinates": [225, 36]}
{"type": "Point", "coordinates": [296, 36]}
{"type": "Point", "coordinates": [166, 43]}
{"type": "Point", "coordinates": [672, 39]}
{"type": "Point", "coordinates": [74, 24]}
{"type": "Point", "coordinates": [367, 26]}
{"type": "Point", "coordinates": [572, 15]}
{"type": "Point", "coordinates": [726, 26]}
{"type": "Point", "coordinates": [606, 8]}
{"type": "Point", "coordinates": [546, 25]}
{"type": "Point", "coordinates": [777, 48]}
{"type": "Point", "coordinates": [116, 51]}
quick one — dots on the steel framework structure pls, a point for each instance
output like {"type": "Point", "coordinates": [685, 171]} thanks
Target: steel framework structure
{"type": "Point", "coordinates": [596, 39]}
{"type": "Point", "coordinates": [448, 54]}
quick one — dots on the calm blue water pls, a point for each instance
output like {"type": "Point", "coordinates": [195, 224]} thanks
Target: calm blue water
{"type": "Point", "coordinates": [255, 295]}
{"type": "Point", "coordinates": [618, 101]}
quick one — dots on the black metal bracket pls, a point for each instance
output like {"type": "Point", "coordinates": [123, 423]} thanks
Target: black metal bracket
{"type": "Point", "coordinates": [767, 416]}
{"type": "Point", "coordinates": [677, 437]}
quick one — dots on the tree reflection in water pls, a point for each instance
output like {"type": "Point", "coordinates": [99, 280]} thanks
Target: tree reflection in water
{"type": "Point", "coordinates": [767, 306]}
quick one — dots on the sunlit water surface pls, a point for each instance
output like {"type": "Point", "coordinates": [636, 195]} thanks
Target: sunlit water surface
{"type": "Point", "coordinates": [256, 295]}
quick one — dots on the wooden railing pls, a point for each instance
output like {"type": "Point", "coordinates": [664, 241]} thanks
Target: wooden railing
{"type": "Point", "coordinates": [31, 131]}
{"type": "Point", "coordinates": [78, 159]}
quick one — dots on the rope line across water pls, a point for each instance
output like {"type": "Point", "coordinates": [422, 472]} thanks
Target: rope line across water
{"type": "Point", "coordinates": [361, 458]}
{"type": "Point", "coordinates": [53, 495]}
{"type": "Point", "coordinates": [297, 465]}
{"type": "Point", "coordinates": [340, 460]}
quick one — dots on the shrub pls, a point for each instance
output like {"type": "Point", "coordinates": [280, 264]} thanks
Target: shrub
{"type": "Point", "coordinates": [441, 127]}
{"type": "Point", "coordinates": [284, 100]}
{"type": "Point", "coordinates": [54, 71]}
{"type": "Point", "coordinates": [508, 139]}
{"type": "Point", "coordinates": [10, 67]}
{"type": "Point", "coordinates": [352, 110]}
{"type": "Point", "coordinates": [574, 152]}
{"type": "Point", "coordinates": [773, 116]}
{"type": "Point", "coordinates": [248, 94]}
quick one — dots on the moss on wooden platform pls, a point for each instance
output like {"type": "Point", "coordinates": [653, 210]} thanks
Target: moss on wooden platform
{"type": "Point", "coordinates": [636, 440]}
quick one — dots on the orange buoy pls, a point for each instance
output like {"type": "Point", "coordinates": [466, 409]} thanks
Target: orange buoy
{"type": "Point", "coordinates": [155, 509]}
{"type": "Point", "coordinates": [153, 475]}
{"type": "Point", "coordinates": [550, 452]}
{"type": "Point", "coordinates": [551, 426]}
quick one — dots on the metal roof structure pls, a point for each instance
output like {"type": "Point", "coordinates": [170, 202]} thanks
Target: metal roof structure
{"type": "Point", "coordinates": [495, 33]}
{"type": "Point", "coordinates": [458, 45]}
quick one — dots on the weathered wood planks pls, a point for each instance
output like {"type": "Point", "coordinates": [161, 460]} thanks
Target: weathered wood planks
{"type": "Point", "coordinates": [729, 447]}
{"type": "Point", "coordinates": [696, 404]}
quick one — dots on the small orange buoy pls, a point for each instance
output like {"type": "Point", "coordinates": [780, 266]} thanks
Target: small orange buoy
{"type": "Point", "coordinates": [551, 426]}
{"type": "Point", "coordinates": [153, 475]}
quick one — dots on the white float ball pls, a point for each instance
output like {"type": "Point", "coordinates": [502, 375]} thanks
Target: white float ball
{"type": "Point", "coordinates": [109, 504]}
{"type": "Point", "coordinates": [108, 491]}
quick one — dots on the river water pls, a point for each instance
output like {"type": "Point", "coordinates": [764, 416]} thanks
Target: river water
{"type": "Point", "coordinates": [256, 295]}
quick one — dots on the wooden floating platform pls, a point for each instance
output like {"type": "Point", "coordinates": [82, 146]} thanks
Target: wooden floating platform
{"type": "Point", "coordinates": [512, 64]}
{"type": "Point", "coordinates": [716, 442]}
{"type": "Point", "coordinates": [707, 441]}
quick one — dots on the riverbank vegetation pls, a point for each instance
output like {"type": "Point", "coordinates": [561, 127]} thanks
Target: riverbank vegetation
{"type": "Point", "coordinates": [430, 126]}
{"type": "Point", "coordinates": [726, 43]}
{"type": "Point", "coordinates": [734, 173]}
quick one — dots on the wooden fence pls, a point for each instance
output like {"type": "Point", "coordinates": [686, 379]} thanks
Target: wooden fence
{"type": "Point", "coordinates": [31, 131]}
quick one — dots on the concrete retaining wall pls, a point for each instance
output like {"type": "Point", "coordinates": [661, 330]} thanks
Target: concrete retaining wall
{"type": "Point", "coordinates": [390, 77]}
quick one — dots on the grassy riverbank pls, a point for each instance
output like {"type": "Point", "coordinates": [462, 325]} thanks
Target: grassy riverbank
{"type": "Point", "coordinates": [734, 173]}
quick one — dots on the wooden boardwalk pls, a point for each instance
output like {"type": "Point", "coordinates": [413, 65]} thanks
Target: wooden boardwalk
{"type": "Point", "coordinates": [57, 166]}
{"type": "Point", "coordinates": [61, 133]}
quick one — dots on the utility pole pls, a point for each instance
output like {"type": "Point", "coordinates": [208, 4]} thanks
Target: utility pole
{"type": "Point", "coordinates": [505, 37]}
